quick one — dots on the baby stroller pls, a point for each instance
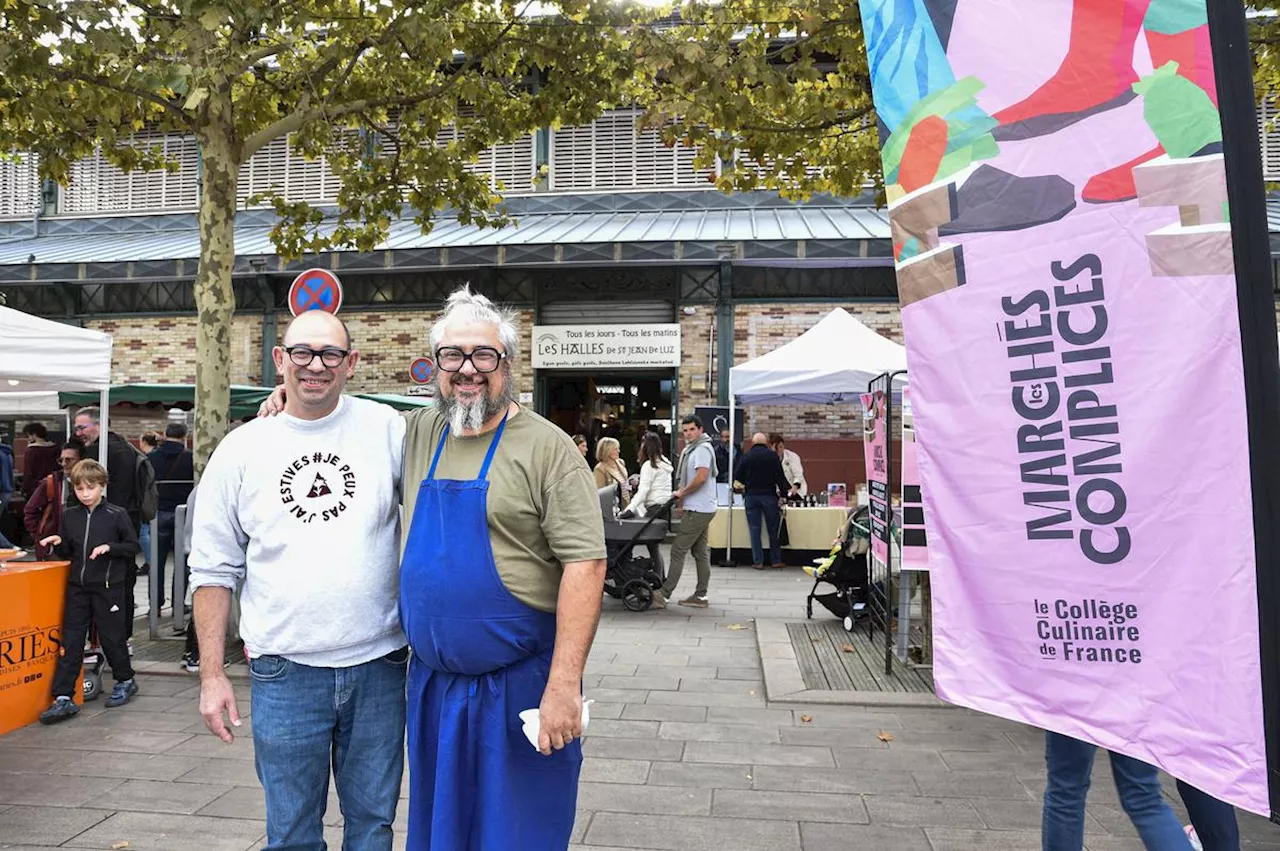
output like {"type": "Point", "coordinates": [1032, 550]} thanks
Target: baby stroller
{"type": "Point", "coordinates": [844, 568]}
{"type": "Point", "coordinates": [628, 577]}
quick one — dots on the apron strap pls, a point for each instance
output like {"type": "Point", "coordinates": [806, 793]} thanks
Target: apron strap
{"type": "Point", "coordinates": [493, 447]}
{"type": "Point", "coordinates": [435, 459]}
{"type": "Point", "coordinates": [488, 458]}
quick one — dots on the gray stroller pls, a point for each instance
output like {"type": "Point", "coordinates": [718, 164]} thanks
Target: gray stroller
{"type": "Point", "coordinates": [629, 577]}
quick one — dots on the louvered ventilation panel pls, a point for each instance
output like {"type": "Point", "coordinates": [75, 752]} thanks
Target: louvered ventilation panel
{"type": "Point", "coordinates": [266, 171]}
{"type": "Point", "coordinates": [612, 153]}
{"type": "Point", "coordinates": [19, 187]}
{"type": "Point", "coordinates": [573, 158]}
{"type": "Point", "coordinates": [812, 170]}
{"type": "Point", "coordinates": [1269, 131]}
{"type": "Point", "coordinates": [511, 166]}
{"type": "Point", "coordinates": [97, 186]}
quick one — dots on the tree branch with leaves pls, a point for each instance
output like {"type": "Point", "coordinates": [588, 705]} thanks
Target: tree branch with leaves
{"type": "Point", "coordinates": [78, 76]}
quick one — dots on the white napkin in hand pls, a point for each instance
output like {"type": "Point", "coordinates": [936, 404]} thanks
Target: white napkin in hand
{"type": "Point", "coordinates": [533, 724]}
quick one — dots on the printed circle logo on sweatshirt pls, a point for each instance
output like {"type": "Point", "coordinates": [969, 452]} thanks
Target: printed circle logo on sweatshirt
{"type": "Point", "coordinates": [317, 486]}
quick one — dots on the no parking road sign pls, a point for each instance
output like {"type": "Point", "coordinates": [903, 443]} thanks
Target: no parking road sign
{"type": "Point", "coordinates": [315, 289]}
{"type": "Point", "coordinates": [420, 370]}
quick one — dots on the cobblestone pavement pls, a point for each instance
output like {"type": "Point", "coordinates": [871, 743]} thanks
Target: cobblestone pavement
{"type": "Point", "coordinates": [684, 753]}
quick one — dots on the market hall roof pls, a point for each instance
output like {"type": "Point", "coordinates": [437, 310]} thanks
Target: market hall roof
{"type": "Point", "coordinates": [608, 229]}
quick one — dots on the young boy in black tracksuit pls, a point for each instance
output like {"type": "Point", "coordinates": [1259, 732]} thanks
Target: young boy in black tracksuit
{"type": "Point", "coordinates": [101, 542]}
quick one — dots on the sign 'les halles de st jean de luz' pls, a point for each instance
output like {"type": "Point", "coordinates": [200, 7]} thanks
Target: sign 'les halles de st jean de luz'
{"type": "Point", "coordinates": [589, 346]}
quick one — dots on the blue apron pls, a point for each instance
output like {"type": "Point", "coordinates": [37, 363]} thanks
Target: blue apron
{"type": "Point", "coordinates": [480, 657]}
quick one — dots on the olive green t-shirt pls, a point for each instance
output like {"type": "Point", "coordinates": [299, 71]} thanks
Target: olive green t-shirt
{"type": "Point", "coordinates": [542, 505]}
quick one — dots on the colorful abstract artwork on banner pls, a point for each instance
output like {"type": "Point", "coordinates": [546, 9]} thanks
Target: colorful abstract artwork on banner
{"type": "Point", "coordinates": [1057, 195]}
{"type": "Point", "coordinates": [875, 447]}
{"type": "Point", "coordinates": [915, 539]}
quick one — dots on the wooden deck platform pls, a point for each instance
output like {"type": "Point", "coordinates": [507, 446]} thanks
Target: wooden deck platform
{"type": "Point", "coordinates": [834, 660]}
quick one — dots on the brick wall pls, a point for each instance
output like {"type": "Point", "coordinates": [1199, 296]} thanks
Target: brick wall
{"type": "Point", "coordinates": [389, 341]}
{"type": "Point", "coordinates": [161, 350]}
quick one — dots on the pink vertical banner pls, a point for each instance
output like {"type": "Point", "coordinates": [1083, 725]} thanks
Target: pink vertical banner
{"type": "Point", "coordinates": [875, 447]}
{"type": "Point", "coordinates": [915, 539]}
{"type": "Point", "coordinates": [1057, 197]}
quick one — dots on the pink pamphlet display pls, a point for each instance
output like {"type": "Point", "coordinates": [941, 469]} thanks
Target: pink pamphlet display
{"type": "Point", "coordinates": [875, 447]}
{"type": "Point", "coordinates": [1058, 200]}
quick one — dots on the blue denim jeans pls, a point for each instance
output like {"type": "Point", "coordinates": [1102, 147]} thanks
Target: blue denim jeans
{"type": "Point", "coordinates": [1070, 764]}
{"type": "Point", "coordinates": [763, 509]}
{"type": "Point", "coordinates": [307, 720]}
{"type": "Point", "coordinates": [1214, 820]}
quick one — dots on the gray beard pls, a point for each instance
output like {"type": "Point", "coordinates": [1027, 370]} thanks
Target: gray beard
{"type": "Point", "coordinates": [464, 418]}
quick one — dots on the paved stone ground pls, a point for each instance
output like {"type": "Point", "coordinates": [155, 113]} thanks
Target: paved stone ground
{"type": "Point", "coordinates": [684, 753]}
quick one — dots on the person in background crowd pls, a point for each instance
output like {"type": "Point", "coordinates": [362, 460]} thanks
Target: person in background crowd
{"type": "Point", "coordinates": [101, 543]}
{"type": "Point", "coordinates": [725, 460]}
{"type": "Point", "coordinates": [763, 484]}
{"type": "Point", "coordinates": [6, 488]}
{"type": "Point", "coordinates": [147, 442]}
{"type": "Point", "coordinates": [175, 476]}
{"type": "Point", "coordinates": [40, 458]}
{"type": "Point", "coordinates": [611, 470]}
{"type": "Point", "coordinates": [654, 490]}
{"type": "Point", "coordinates": [301, 514]}
{"type": "Point", "coordinates": [42, 514]}
{"type": "Point", "coordinates": [696, 475]}
{"type": "Point", "coordinates": [128, 476]}
{"type": "Point", "coordinates": [791, 466]}
{"type": "Point", "coordinates": [502, 576]}
{"type": "Point", "coordinates": [1070, 765]}
{"type": "Point", "coordinates": [661, 431]}
{"type": "Point", "coordinates": [580, 441]}
{"type": "Point", "coordinates": [1213, 822]}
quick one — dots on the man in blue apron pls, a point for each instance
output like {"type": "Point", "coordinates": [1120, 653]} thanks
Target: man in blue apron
{"type": "Point", "coordinates": [501, 579]}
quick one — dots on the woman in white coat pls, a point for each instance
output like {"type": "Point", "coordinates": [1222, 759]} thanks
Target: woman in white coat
{"type": "Point", "coordinates": [654, 490]}
{"type": "Point", "coordinates": [791, 465]}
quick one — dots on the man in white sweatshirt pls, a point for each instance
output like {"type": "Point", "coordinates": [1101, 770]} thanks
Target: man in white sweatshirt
{"type": "Point", "coordinates": [300, 512]}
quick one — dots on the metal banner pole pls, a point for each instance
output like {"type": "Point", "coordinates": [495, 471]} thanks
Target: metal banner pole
{"type": "Point", "coordinates": [1246, 198]}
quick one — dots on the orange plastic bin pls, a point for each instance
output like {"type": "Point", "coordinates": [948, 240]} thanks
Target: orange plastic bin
{"type": "Point", "coordinates": [31, 600]}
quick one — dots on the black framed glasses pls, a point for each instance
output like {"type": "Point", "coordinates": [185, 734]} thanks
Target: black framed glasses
{"type": "Point", "coordinates": [330, 356]}
{"type": "Point", "coordinates": [483, 358]}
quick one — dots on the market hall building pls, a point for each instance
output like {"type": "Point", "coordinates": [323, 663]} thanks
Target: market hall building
{"type": "Point", "coordinates": [623, 231]}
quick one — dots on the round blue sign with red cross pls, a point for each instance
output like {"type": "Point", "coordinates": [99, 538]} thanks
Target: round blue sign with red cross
{"type": "Point", "coordinates": [420, 370]}
{"type": "Point", "coordinates": [315, 289]}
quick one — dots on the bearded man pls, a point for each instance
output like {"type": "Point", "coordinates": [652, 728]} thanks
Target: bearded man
{"type": "Point", "coordinates": [501, 578]}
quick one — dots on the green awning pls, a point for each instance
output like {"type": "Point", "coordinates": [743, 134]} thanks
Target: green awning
{"type": "Point", "coordinates": [244, 399]}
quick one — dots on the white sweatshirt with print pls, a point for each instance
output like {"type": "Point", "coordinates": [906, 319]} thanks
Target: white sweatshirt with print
{"type": "Point", "coordinates": [303, 517]}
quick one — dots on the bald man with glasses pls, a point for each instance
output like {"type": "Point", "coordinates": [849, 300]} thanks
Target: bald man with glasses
{"type": "Point", "coordinates": [301, 513]}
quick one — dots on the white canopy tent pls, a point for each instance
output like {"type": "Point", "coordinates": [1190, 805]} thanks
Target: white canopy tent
{"type": "Point", "coordinates": [40, 356]}
{"type": "Point", "coordinates": [831, 363]}
{"type": "Point", "coordinates": [42, 404]}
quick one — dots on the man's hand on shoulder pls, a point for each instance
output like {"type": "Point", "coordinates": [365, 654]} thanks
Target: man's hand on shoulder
{"type": "Point", "coordinates": [273, 404]}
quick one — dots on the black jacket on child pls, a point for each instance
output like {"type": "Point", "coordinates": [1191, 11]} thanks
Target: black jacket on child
{"type": "Point", "coordinates": [84, 530]}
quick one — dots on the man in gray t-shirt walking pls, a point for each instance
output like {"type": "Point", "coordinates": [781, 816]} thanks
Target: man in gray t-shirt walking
{"type": "Point", "coordinates": [696, 492]}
